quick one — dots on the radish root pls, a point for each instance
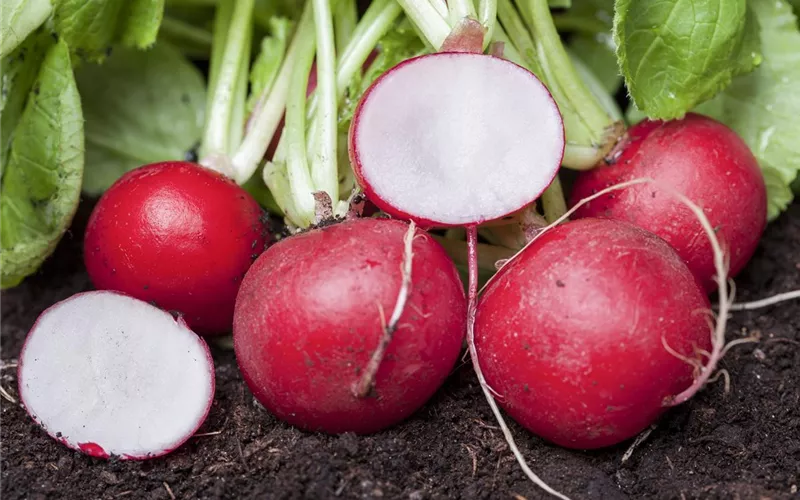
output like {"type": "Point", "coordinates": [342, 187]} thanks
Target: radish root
{"type": "Point", "coordinates": [366, 384]}
{"type": "Point", "coordinates": [472, 246]}
{"type": "Point", "coordinates": [766, 302]}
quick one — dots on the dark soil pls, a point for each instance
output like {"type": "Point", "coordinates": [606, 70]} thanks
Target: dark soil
{"type": "Point", "coordinates": [745, 444]}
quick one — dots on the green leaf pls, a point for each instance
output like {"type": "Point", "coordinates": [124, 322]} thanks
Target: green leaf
{"type": "Point", "coordinates": [41, 183]}
{"type": "Point", "coordinates": [141, 107]}
{"type": "Point", "coordinates": [269, 59]}
{"type": "Point", "coordinates": [91, 27]}
{"type": "Point", "coordinates": [675, 54]}
{"type": "Point", "coordinates": [18, 70]}
{"type": "Point", "coordinates": [139, 22]}
{"type": "Point", "coordinates": [18, 18]}
{"type": "Point", "coordinates": [763, 107]}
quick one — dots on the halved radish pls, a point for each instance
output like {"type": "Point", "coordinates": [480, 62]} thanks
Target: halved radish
{"type": "Point", "coordinates": [111, 375]}
{"type": "Point", "coordinates": [452, 139]}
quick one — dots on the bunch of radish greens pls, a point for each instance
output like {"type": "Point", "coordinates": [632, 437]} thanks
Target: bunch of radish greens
{"type": "Point", "coordinates": [320, 178]}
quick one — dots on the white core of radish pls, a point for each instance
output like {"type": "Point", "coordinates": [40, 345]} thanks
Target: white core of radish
{"type": "Point", "coordinates": [103, 369]}
{"type": "Point", "coordinates": [458, 138]}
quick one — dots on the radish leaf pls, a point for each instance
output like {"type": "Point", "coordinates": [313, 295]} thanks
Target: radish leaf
{"type": "Point", "coordinates": [18, 18]}
{"type": "Point", "coordinates": [763, 107]}
{"type": "Point", "coordinates": [41, 182]}
{"type": "Point", "coordinates": [675, 54]}
{"type": "Point", "coordinates": [141, 107]}
{"type": "Point", "coordinates": [91, 27]}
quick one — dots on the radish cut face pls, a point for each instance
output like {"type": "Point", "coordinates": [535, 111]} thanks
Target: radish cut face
{"type": "Point", "coordinates": [111, 375]}
{"type": "Point", "coordinates": [453, 139]}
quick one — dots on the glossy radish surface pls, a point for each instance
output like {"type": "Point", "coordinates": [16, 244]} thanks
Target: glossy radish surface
{"type": "Point", "coordinates": [569, 334]}
{"type": "Point", "coordinates": [455, 138]}
{"type": "Point", "coordinates": [178, 235]}
{"type": "Point", "coordinates": [700, 158]}
{"type": "Point", "coordinates": [308, 319]}
{"type": "Point", "coordinates": [110, 375]}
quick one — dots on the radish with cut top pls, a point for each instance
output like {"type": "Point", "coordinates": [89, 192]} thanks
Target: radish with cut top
{"type": "Point", "coordinates": [451, 139]}
{"type": "Point", "coordinates": [574, 334]}
{"type": "Point", "coordinates": [113, 376]}
{"type": "Point", "coordinates": [179, 235]}
{"type": "Point", "coordinates": [314, 330]}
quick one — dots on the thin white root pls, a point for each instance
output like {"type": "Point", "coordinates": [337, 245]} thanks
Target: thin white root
{"type": "Point", "coordinates": [366, 383]}
{"type": "Point", "coordinates": [472, 240]}
{"type": "Point", "coordinates": [7, 396]}
{"type": "Point", "coordinates": [636, 442]}
{"type": "Point", "coordinates": [5, 365]}
{"type": "Point", "coordinates": [766, 302]}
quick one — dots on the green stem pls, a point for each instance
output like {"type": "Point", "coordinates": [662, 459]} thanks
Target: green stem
{"type": "Point", "coordinates": [519, 36]}
{"type": "Point", "coordinates": [441, 7]}
{"type": "Point", "coordinates": [345, 19]}
{"type": "Point", "coordinates": [299, 176]}
{"type": "Point", "coordinates": [177, 29]}
{"type": "Point", "coordinates": [579, 24]}
{"type": "Point", "coordinates": [324, 172]}
{"type": "Point", "coordinates": [427, 19]}
{"type": "Point", "coordinates": [264, 123]}
{"type": "Point", "coordinates": [375, 23]}
{"type": "Point", "coordinates": [459, 9]}
{"type": "Point", "coordinates": [553, 201]}
{"type": "Point", "coordinates": [588, 126]}
{"type": "Point", "coordinates": [487, 15]}
{"type": "Point", "coordinates": [216, 143]}
{"type": "Point", "coordinates": [510, 52]}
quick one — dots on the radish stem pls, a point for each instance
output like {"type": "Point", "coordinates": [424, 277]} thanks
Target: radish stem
{"type": "Point", "coordinates": [295, 133]}
{"type": "Point", "coordinates": [459, 9]}
{"type": "Point", "coordinates": [345, 19]}
{"type": "Point", "coordinates": [441, 7]}
{"type": "Point", "coordinates": [487, 15]}
{"type": "Point", "coordinates": [425, 16]}
{"type": "Point", "coordinates": [518, 37]}
{"type": "Point", "coordinates": [270, 109]}
{"type": "Point", "coordinates": [324, 173]}
{"type": "Point", "coordinates": [590, 131]}
{"type": "Point", "coordinates": [553, 201]}
{"type": "Point", "coordinates": [216, 144]}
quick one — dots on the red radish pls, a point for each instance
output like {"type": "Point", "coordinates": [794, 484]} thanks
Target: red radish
{"type": "Point", "coordinates": [178, 235]}
{"type": "Point", "coordinates": [419, 147]}
{"type": "Point", "coordinates": [112, 376]}
{"type": "Point", "coordinates": [311, 311]}
{"type": "Point", "coordinates": [710, 165]}
{"type": "Point", "coordinates": [571, 333]}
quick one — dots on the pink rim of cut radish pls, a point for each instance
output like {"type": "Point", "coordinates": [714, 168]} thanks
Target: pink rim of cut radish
{"type": "Point", "coordinates": [418, 139]}
{"type": "Point", "coordinates": [113, 376]}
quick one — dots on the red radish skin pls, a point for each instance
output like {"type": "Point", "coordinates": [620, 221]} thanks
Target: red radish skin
{"type": "Point", "coordinates": [178, 235]}
{"type": "Point", "coordinates": [700, 158]}
{"type": "Point", "coordinates": [307, 322]}
{"type": "Point", "coordinates": [569, 333]}
{"type": "Point", "coordinates": [114, 377]}
{"type": "Point", "coordinates": [419, 131]}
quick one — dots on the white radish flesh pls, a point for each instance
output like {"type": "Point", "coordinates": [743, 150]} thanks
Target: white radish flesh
{"type": "Point", "coordinates": [111, 375]}
{"type": "Point", "coordinates": [419, 144]}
